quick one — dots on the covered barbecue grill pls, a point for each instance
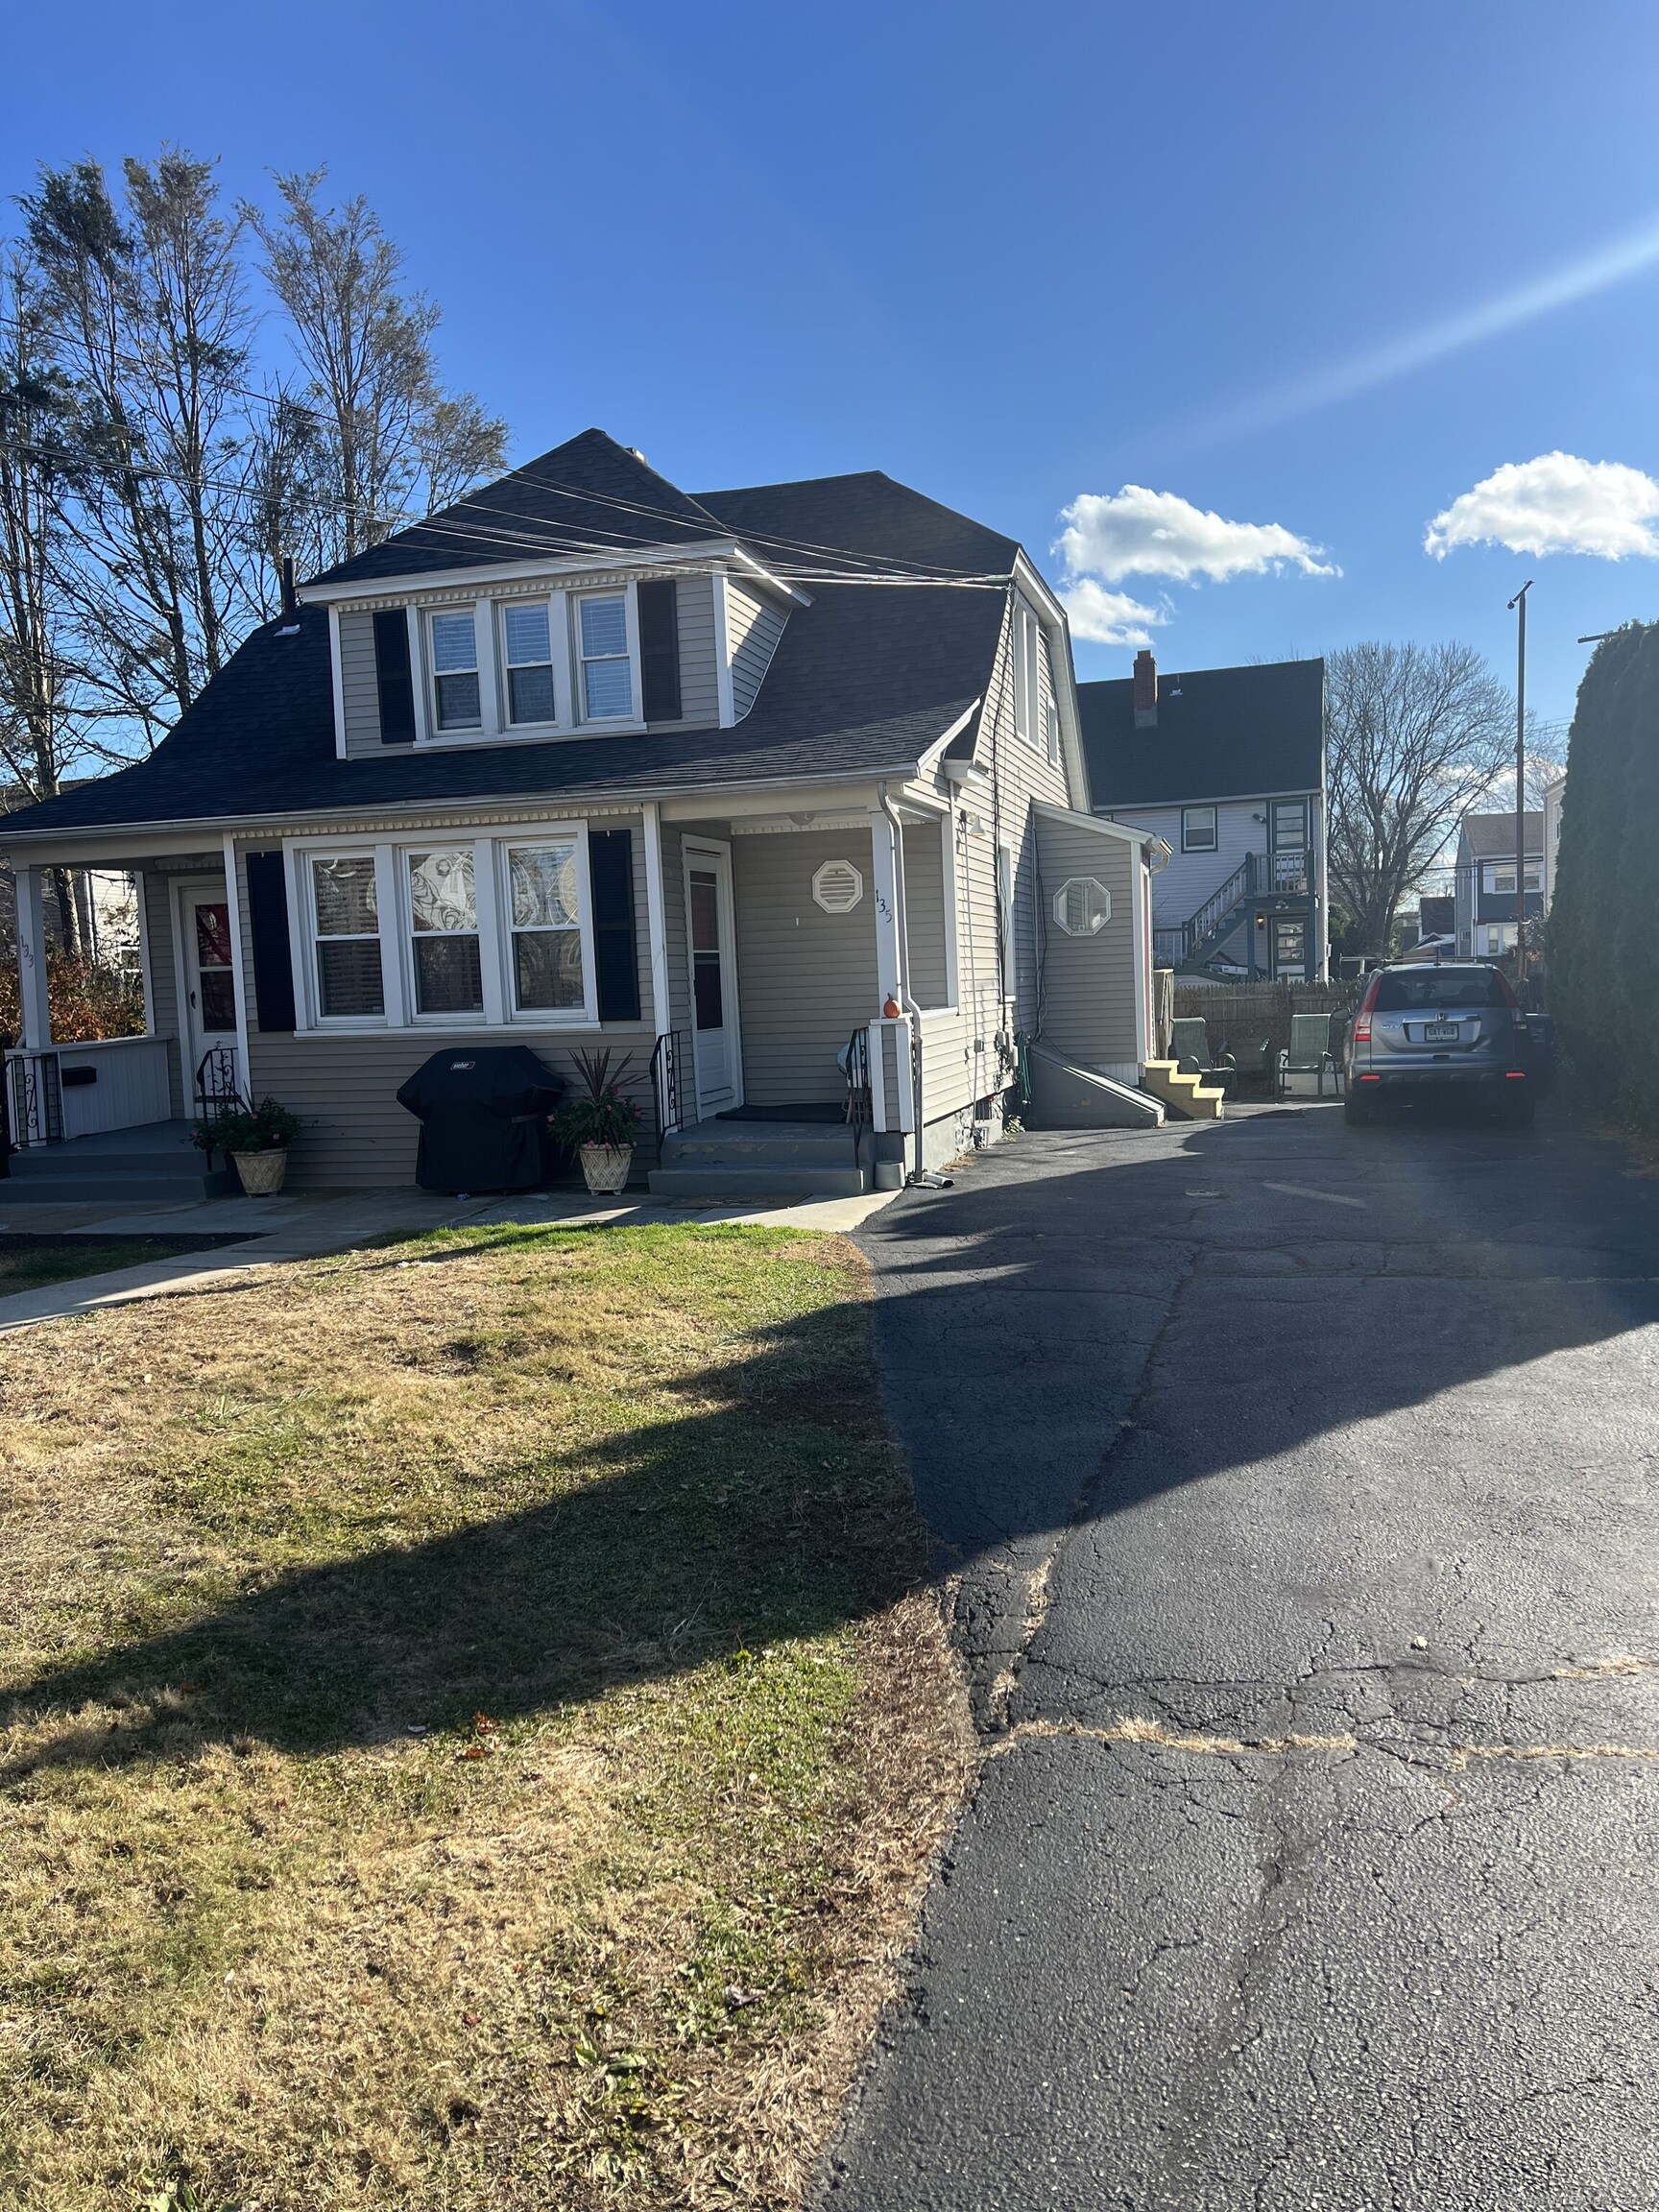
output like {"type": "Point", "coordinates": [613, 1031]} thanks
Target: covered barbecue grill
{"type": "Point", "coordinates": [482, 1112]}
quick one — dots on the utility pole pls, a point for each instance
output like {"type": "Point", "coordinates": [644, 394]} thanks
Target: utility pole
{"type": "Point", "coordinates": [1519, 604]}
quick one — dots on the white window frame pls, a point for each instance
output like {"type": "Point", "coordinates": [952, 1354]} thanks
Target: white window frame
{"type": "Point", "coordinates": [586, 1016]}
{"type": "Point", "coordinates": [1028, 675]}
{"type": "Point", "coordinates": [558, 646]}
{"type": "Point", "coordinates": [435, 722]}
{"type": "Point", "coordinates": [1496, 890]}
{"type": "Point", "coordinates": [1214, 844]}
{"type": "Point", "coordinates": [581, 720]}
{"type": "Point", "coordinates": [397, 931]}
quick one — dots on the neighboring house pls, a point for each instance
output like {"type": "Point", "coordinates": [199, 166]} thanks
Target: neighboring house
{"type": "Point", "coordinates": [1432, 932]}
{"type": "Point", "coordinates": [1227, 765]}
{"type": "Point", "coordinates": [584, 759]}
{"type": "Point", "coordinates": [1486, 882]}
{"type": "Point", "coordinates": [1554, 795]}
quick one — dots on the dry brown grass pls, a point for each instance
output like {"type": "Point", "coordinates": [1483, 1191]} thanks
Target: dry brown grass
{"type": "Point", "coordinates": [473, 1733]}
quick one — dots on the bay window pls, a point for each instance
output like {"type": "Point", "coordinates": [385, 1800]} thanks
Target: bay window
{"type": "Point", "coordinates": [443, 932]}
{"type": "Point", "coordinates": [607, 670]}
{"type": "Point", "coordinates": [454, 637]}
{"type": "Point", "coordinates": [345, 918]}
{"type": "Point", "coordinates": [544, 920]}
{"type": "Point", "coordinates": [528, 637]}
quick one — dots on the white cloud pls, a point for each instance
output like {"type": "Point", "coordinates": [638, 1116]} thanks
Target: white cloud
{"type": "Point", "coordinates": [1109, 617]}
{"type": "Point", "coordinates": [1555, 504]}
{"type": "Point", "coordinates": [1135, 532]}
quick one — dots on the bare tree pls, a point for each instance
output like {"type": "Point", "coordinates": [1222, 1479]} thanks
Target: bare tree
{"type": "Point", "coordinates": [148, 322]}
{"type": "Point", "coordinates": [395, 444]}
{"type": "Point", "coordinates": [1415, 736]}
{"type": "Point", "coordinates": [43, 731]}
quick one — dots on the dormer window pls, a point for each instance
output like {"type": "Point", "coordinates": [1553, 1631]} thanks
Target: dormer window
{"type": "Point", "coordinates": [455, 671]}
{"type": "Point", "coordinates": [527, 635]}
{"type": "Point", "coordinates": [606, 672]}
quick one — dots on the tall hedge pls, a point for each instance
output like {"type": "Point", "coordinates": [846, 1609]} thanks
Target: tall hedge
{"type": "Point", "coordinates": [1603, 935]}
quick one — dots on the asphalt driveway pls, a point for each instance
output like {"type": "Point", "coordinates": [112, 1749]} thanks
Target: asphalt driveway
{"type": "Point", "coordinates": [1303, 1485]}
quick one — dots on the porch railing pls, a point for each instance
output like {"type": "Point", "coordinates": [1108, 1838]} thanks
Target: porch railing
{"type": "Point", "coordinates": [671, 1082]}
{"type": "Point", "coordinates": [35, 1090]}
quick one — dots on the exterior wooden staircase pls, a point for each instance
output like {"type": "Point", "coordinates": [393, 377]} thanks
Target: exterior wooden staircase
{"type": "Point", "coordinates": [1187, 1095]}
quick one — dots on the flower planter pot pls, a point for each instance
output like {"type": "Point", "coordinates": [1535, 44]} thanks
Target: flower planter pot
{"type": "Point", "coordinates": [261, 1172]}
{"type": "Point", "coordinates": [605, 1167]}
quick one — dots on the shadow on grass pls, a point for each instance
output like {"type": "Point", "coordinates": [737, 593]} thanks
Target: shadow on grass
{"type": "Point", "coordinates": [776, 1508]}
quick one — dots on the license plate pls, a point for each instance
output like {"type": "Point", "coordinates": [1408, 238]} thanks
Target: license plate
{"type": "Point", "coordinates": [1440, 1033]}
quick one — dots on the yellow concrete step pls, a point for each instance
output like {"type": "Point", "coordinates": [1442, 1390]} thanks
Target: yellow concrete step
{"type": "Point", "coordinates": [1187, 1094]}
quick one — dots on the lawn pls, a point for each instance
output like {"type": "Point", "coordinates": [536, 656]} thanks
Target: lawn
{"type": "Point", "coordinates": [28, 1260]}
{"type": "Point", "coordinates": [469, 1731]}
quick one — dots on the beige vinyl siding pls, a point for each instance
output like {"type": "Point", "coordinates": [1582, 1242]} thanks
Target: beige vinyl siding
{"type": "Point", "coordinates": [156, 891]}
{"type": "Point", "coordinates": [924, 913]}
{"type": "Point", "coordinates": [805, 979]}
{"type": "Point", "coordinates": [1088, 983]}
{"type": "Point", "coordinates": [359, 687]}
{"type": "Point", "coordinates": [698, 656]}
{"type": "Point", "coordinates": [753, 628]}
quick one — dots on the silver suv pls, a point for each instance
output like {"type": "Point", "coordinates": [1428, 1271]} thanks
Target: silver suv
{"type": "Point", "coordinates": [1422, 1029]}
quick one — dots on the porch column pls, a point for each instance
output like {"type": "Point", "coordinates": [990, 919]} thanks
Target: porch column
{"type": "Point", "coordinates": [657, 918]}
{"type": "Point", "coordinates": [32, 961]}
{"type": "Point", "coordinates": [146, 952]}
{"type": "Point", "coordinates": [886, 892]}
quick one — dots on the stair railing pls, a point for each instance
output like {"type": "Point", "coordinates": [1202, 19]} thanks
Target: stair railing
{"type": "Point", "coordinates": [218, 1096]}
{"type": "Point", "coordinates": [669, 1057]}
{"type": "Point", "coordinates": [1220, 903]}
{"type": "Point", "coordinates": [36, 1100]}
{"type": "Point", "coordinates": [856, 1068]}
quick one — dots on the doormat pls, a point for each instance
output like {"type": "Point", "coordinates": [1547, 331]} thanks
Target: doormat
{"type": "Point", "coordinates": [814, 1111]}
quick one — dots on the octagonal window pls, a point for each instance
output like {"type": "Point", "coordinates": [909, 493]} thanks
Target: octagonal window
{"type": "Point", "coordinates": [1082, 906]}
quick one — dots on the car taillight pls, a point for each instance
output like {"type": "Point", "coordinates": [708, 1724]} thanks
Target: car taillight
{"type": "Point", "coordinates": [1362, 1030]}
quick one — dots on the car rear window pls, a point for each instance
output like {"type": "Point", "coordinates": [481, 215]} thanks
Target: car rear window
{"type": "Point", "coordinates": [1400, 994]}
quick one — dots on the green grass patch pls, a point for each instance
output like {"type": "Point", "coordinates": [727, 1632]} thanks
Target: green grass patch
{"type": "Point", "coordinates": [30, 1260]}
{"type": "Point", "coordinates": [464, 1735]}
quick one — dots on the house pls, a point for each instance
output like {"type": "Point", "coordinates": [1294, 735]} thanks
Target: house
{"type": "Point", "coordinates": [1555, 792]}
{"type": "Point", "coordinates": [1227, 766]}
{"type": "Point", "coordinates": [1486, 882]}
{"type": "Point", "coordinates": [758, 785]}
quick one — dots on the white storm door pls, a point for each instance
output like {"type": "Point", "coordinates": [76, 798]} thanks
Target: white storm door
{"type": "Point", "coordinates": [202, 916]}
{"type": "Point", "coordinates": [708, 940]}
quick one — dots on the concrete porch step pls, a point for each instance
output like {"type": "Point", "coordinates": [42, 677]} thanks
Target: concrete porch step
{"type": "Point", "coordinates": [155, 1164]}
{"type": "Point", "coordinates": [755, 1143]}
{"type": "Point", "coordinates": [96, 1190]}
{"type": "Point", "coordinates": [711, 1181]}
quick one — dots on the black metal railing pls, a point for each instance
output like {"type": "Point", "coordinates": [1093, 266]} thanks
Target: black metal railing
{"type": "Point", "coordinates": [5, 1120]}
{"type": "Point", "coordinates": [1259, 875]}
{"type": "Point", "coordinates": [218, 1096]}
{"type": "Point", "coordinates": [858, 1073]}
{"type": "Point", "coordinates": [37, 1099]}
{"type": "Point", "coordinates": [671, 1068]}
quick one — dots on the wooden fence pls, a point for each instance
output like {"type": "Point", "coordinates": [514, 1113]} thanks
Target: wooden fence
{"type": "Point", "coordinates": [1240, 1013]}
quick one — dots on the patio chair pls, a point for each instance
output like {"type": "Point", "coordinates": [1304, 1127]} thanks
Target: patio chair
{"type": "Point", "coordinates": [1303, 1068]}
{"type": "Point", "coordinates": [1252, 1056]}
{"type": "Point", "coordinates": [1190, 1050]}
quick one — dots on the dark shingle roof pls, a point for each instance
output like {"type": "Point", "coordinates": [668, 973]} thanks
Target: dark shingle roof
{"type": "Point", "coordinates": [1492, 836]}
{"type": "Point", "coordinates": [863, 680]}
{"type": "Point", "coordinates": [589, 495]}
{"type": "Point", "coordinates": [1220, 734]}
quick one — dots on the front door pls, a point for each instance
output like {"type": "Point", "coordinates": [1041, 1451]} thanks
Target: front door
{"type": "Point", "coordinates": [708, 938]}
{"type": "Point", "coordinates": [203, 918]}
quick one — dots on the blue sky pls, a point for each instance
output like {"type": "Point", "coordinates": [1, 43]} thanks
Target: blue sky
{"type": "Point", "coordinates": [1018, 258]}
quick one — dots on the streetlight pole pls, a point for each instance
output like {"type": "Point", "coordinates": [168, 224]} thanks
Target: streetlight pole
{"type": "Point", "coordinates": [1519, 604]}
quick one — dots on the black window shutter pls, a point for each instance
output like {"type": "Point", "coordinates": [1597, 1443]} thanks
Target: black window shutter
{"type": "Point", "coordinates": [268, 925]}
{"type": "Point", "coordinates": [611, 875]}
{"type": "Point", "coordinates": [392, 678]}
{"type": "Point", "coordinates": [659, 650]}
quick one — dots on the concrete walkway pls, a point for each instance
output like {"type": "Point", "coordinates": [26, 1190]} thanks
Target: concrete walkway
{"type": "Point", "coordinates": [299, 1226]}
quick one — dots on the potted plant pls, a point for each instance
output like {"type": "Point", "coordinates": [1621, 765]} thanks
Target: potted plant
{"type": "Point", "coordinates": [601, 1121]}
{"type": "Point", "coordinates": [257, 1139]}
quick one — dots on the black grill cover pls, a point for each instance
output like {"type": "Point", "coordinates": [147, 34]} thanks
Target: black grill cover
{"type": "Point", "coordinates": [482, 1112]}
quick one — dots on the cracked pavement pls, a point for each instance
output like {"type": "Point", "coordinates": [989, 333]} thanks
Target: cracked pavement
{"type": "Point", "coordinates": [1297, 1485]}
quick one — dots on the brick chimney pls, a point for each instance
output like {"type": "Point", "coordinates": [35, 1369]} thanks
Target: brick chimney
{"type": "Point", "coordinates": [1145, 691]}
